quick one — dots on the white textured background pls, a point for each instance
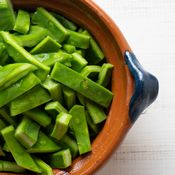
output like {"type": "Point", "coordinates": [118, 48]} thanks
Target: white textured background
{"type": "Point", "coordinates": [149, 26]}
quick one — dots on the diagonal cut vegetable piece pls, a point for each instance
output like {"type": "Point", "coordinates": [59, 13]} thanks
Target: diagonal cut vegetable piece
{"type": "Point", "coordinates": [46, 169]}
{"type": "Point", "coordinates": [18, 53]}
{"type": "Point", "coordinates": [7, 166]}
{"type": "Point", "coordinates": [17, 89]}
{"type": "Point", "coordinates": [35, 35]}
{"type": "Point", "coordinates": [7, 15]}
{"type": "Point", "coordinates": [54, 88]}
{"type": "Point", "coordinates": [20, 155]}
{"type": "Point", "coordinates": [61, 125]}
{"type": "Point", "coordinates": [83, 85]}
{"type": "Point", "coordinates": [41, 117]}
{"type": "Point", "coordinates": [79, 126]}
{"type": "Point", "coordinates": [47, 45]}
{"type": "Point", "coordinates": [45, 19]}
{"type": "Point", "coordinates": [33, 98]}
{"type": "Point", "coordinates": [104, 76]}
{"type": "Point", "coordinates": [11, 73]}
{"type": "Point", "coordinates": [44, 145]}
{"type": "Point", "coordinates": [91, 71]}
{"type": "Point", "coordinates": [22, 23]}
{"type": "Point", "coordinates": [78, 39]}
{"type": "Point", "coordinates": [96, 112]}
{"type": "Point", "coordinates": [27, 132]}
{"type": "Point", "coordinates": [69, 48]}
{"type": "Point", "coordinates": [61, 159]}
{"type": "Point", "coordinates": [54, 108]}
{"type": "Point", "coordinates": [50, 59]}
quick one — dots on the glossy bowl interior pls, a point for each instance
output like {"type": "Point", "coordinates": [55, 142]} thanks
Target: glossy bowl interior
{"type": "Point", "coordinates": [90, 16]}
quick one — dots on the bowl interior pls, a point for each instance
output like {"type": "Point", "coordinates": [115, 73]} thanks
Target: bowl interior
{"type": "Point", "coordinates": [86, 14]}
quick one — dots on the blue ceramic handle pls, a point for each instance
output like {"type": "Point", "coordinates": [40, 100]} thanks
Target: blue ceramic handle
{"type": "Point", "coordinates": [146, 87]}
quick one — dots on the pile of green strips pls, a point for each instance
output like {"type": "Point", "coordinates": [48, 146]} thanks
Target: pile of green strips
{"type": "Point", "coordinates": [53, 90]}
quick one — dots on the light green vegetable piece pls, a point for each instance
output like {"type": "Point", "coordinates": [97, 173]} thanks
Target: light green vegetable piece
{"type": "Point", "coordinates": [47, 45]}
{"type": "Point", "coordinates": [80, 129]}
{"type": "Point", "coordinates": [20, 87]}
{"type": "Point", "coordinates": [61, 159]}
{"type": "Point", "coordinates": [7, 15]}
{"type": "Point", "coordinates": [22, 158]}
{"type": "Point", "coordinates": [45, 19]}
{"type": "Point", "coordinates": [61, 125]}
{"type": "Point", "coordinates": [27, 132]}
{"type": "Point", "coordinates": [32, 99]}
{"type": "Point", "coordinates": [22, 23]}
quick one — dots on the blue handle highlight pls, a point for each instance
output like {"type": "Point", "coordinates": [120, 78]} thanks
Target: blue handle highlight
{"type": "Point", "coordinates": [146, 87]}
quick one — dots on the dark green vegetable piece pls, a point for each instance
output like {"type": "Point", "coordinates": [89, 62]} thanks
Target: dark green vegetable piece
{"type": "Point", "coordinates": [68, 142]}
{"type": "Point", "coordinates": [22, 158]}
{"type": "Point", "coordinates": [45, 19]}
{"type": "Point", "coordinates": [46, 169]}
{"type": "Point", "coordinates": [43, 145]}
{"type": "Point", "coordinates": [47, 45]}
{"type": "Point", "coordinates": [5, 148]}
{"type": "Point", "coordinates": [105, 74]}
{"type": "Point", "coordinates": [91, 71]}
{"type": "Point", "coordinates": [81, 99]}
{"type": "Point", "coordinates": [78, 39]}
{"type": "Point", "coordinates": [27, 132]}
{"type": "Point", "coordinates": [33, 98]}
{"type": "Point", "coordinates": [4, 114]}
{"type": "Point", "coordinates": [65, 22]}
{"type": "Point", "coordinates": [69, 97]}
{"type": "Point", "coordinates": [79, 126]}
{"type": "Point", "coordinates": [94, 127]}
{"type": "Point", "coordinates": [55, 108]}
{"type": "Point", "coordinates": [81, 52]}
{"type": "Point", "coordinates": [54, 88]}
{"type": "Point", "coordinates": [69, 48]}
{"type": "Point", "coordinates": [61, 125]}
{"type": "Point", "coordinates": [17, 89]}
{"type": "Point", "coordinates": [94, 53]}
{"type": "Point", "coordinates": [11, 73]}
{"type": "Point", "coordinates": [50, 59]}
{"type": "Point", "coordinates": [10, 167]}
{"type": "Point", "coordinates": [83, 85]}
{"type": "Point", "coordinates": [7, 15]}
{"type": "Point", "coordinates": [78, 62]}
{"type": "Point", "coordinates": [18, 53]}
{"type": "Point", "coordinates": [3, 55]}
{"type": "Point", "coordinates": [35, 35]}
{"type": "Point", "coordinates": [22, 23]}
{"type": "Point", "coordinates": [96, 112]}
{"type": "Point", "coordinates": [41, 117]}
{"type": "Point", "coordinates": [61, 159]}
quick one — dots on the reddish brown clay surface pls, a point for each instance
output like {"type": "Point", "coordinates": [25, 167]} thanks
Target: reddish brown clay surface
{"type": "Point", "coordinates": [90, 16]}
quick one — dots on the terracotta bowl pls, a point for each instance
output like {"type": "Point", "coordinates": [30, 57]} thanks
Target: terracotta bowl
{"type": "Point", "coordinates": [134, 88]}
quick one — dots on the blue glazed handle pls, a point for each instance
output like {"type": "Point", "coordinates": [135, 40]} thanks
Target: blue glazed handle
{"type": "Point", "coordinates": [146, 87]}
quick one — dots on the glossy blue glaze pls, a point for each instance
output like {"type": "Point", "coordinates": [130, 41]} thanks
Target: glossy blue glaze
{"type": "Point", "coordinates": [146, 87]}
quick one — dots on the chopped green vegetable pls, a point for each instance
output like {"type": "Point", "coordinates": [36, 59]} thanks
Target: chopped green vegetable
{"type": "Point", "coordinates": [33, 98]}
{"type": "Point", "coordinates": [19, 88]}
{"type": "Point", "coordinates": [91, 71]}
{"type": "Point", "coordinates": [61, 125]}
{"type": "Point", "coordinates": [80, 128]}
{"type": "Point", "coordinates": [61, 159]}
{"type": "Point", "coordinates": [22, 158]}
{"type": "Point", "coordinates": [41, 117]}
{"type": "Point", "coordinates": [47, 45]}
{"type": "Point", "coordinates": [81, 84]}
{"type": "Point", "coordinates": [22, 23]}
{"type": "Point", "coordinates": [45, 19]}
{"type": "Point", "coordinates": [27, 132]}
{"type": "Point", "coordinates": [7, 15]}
{"type": "Point", "coordinates": [78, 39]}
{"type": "Point", "coordinates": [44, 145]}
{"type": "Point", "coordinates": [2, 124]}
{"type": "Point", "coordinates": [105, 74]}
{"type": "Point", "coordinates": [10, 167]}
{"type": "Point", "coordinates": [69, 48]}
